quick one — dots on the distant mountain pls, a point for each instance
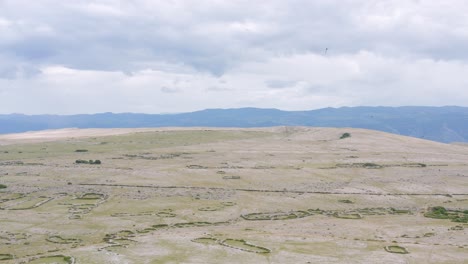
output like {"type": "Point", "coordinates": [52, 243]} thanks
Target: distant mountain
{"type": "Point", "coordinates": [443, 124]}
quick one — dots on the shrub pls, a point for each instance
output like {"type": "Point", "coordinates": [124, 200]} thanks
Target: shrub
{"type": "Point", "coordinates": [81, 150]}
{"type": "Point", "coordinates": [439, 210]}
{"type": "Point", "coordinates": [345, 135]}
{"type": "Point", "coordinates": [88, 162]}
{"type": "Point", "coordinates": [2, 186]}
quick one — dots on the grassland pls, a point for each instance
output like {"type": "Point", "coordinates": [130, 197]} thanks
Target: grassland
{"type": "Point", "coordinates": [276, 195]}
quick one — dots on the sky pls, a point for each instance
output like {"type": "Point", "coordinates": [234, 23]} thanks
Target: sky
{"type": "Point", "coordinates": [172, 56]}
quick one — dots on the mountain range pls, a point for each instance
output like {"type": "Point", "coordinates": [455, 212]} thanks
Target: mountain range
{"type": "Point", "coordinates": [444, 124]}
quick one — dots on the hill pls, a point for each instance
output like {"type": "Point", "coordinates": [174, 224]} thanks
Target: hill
{"type": "Point", "coordinates": [218, 195]}
{"type": "Point", "coordinates": [443, 124]}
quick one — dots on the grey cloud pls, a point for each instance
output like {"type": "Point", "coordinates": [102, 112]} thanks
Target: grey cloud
{"type": "Point", "coordinates": [279, 84]}
{"type": "Point", "coordinates": [236, 53]}
{"type": "Point", "coordinates": [217, 89]}
{"type": "Point", "coordinates": [165, 89]}
{"type": "Point", "coordinates": [14, 68]}
{"type": "Point", "coordinates": [216, 36]}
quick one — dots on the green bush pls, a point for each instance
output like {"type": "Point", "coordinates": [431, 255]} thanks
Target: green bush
{"type": "Point", "coordinates": [345, 135]}
{"type": "Point", "coordinates": [81, 150]}
{"type": "Point", "coordinates": [88, 162]}
{"type": "Point", "coordinates": [2, 186]}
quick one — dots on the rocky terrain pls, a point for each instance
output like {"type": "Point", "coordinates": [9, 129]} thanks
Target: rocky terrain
{"type": "Point", "coordinates": [204, 195]}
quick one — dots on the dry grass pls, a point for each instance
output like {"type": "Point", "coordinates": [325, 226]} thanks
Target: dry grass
{"type": "Point", "coordinates": [159, 196]}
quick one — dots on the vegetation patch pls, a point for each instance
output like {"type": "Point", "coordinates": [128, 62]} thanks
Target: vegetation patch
{"type": "Point", "coordinates": [57, 259]}
{"type": "Point", "coordinates": [263, 167]}
{"type": "Point", "coordinates": [13, 238]}
{"type": "Point", "coordinates": [275, 216]}
{"type": "Point", "coordinates": [344, 214]}
{"type": "Point", "coordinates": [119, 238]}
{"type": "Point", "coordinates": [61, 240]}
{"type": "Point", "coordinates": [345, 135]}
{"type": "Point", "coordinates": [414, 165]}
{"type": "Point", "coordinates": [439, 212]}
{"type": "Point", "coordinates": [77, 210]}
{"type": "Point", "coordinates": [370, 165]}
{"type": "Point", "coordinates": [6, 256]}
{"type": "Point", "coordinates": [81, 150]}
{"type": "Point", "coordinates": [146, 156]}
{"type": "Point", "coordinates": [114, 248]}
{"type": "Point", "coordinates": [3, 186]}
{"type": "Point", "coordinates": [11, 196]}
{"type": "Point", "coordinates": [210, 208]}
{"type": "Point", "coordinates": [373, 211]}
{"type": "Point", "coordinates": [30, 203]}
{"type": "Point", "coordinates": [346, 201]}
{"type": "Point", "coordinates": [124, 233]}
{"type": "Point", "coordinates": [244, 246]}
{"type": "Point", "coordinates": [366, 165]}
{"type": "Point", "coordinates": [192, 224]}
{"type": "Point", "coordinates": [94, 162]}
{"type": "Point", "coordinates": [194, 166]}
{"type": "Point", "coordinates": [9, 163]}
{"type": "Point", "coordinates": [166, 214]}
{"type": "Point", "coordinates": [315, 211]}
{"type": "Point", "coordinates": [347, 215]}
{"type": "Point", "coordinates": [206, 240]}
{"type": "Point", "coordinates": [130, 214]}
{"type": "Point", "coordinates": [238, 244]}
{"type": "Point", "coordinates": [396, 249]}
{"type": "Point", "coordinates": [231, 177]}
{"type": "Point", "coordinates": [228, 203]}
{"type": "Point", "coordinates": [92, 196]}
{"type": "Point", "coordinates": [159, 226]}
{"type": "Point", "coordinates": [399, 211]}
{"type": "Point", "coordinates": [145, 230]}
{"type": "Point", "coordinates": [430, 234]}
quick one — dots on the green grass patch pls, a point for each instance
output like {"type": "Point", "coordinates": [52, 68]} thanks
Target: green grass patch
{"type": "Point", "coordinates": [244, 245]}
{"type": "Point", "coordinates": [396, 249]}
{"type": "Point", "coordinates": [439, 212]}
{"type": "Point", "coordinates": [166, 214]}
{"type": "Point", "coordinates": [30, 203]}
{"type": "Point", "coordinates": [210, 208]}
{"type": "Point", "coordinates": [275, 216]}
{"type": "Point", "coordinates": [61, 240]}
{"type": "Point", "coordinates": [92, 196]}
{"type": "Point", "coordinates": [347, 215]}
{"type": "Point", "coordinates": [57, 259]}
{"type": "Point", "coordinates": [6, 257]}
{"type": "Point", "coordinates": [206, 240]}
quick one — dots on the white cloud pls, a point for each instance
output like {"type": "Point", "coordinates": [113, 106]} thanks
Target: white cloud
{"type": "Point", "coordinates": [173, 56]}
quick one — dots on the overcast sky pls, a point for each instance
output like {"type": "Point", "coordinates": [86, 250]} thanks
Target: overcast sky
{"type": "Point", "coordinates": [148, 56]}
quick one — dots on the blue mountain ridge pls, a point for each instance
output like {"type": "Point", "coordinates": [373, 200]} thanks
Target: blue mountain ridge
{"type": "Point", "coordinates": [444, 124]}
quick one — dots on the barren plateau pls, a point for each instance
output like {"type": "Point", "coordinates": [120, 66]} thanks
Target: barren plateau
{"type": "Point", "coordinates": [204, 195]}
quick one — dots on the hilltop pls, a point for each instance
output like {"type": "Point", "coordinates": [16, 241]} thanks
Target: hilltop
{"type": "Point", "coordinates": [442, 124]}
{"type": "Point", "coordinates": [217, 195]}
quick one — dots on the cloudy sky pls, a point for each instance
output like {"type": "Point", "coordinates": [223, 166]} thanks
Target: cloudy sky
{"type": "Point", "coordinates": [149, 56]}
